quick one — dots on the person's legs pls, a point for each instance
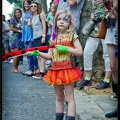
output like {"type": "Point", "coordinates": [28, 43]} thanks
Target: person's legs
{"type": "Point", "coordinates": [69, 95]}
{"type": "Point", "coordinates": [29, 44]}
{"type": "Point", "coordinates": [6, 45]}
{"type": "Point", "coordinates": [16, 63]}
{"type": "Point", "coordinates": [59, 89]}
{"type": "Point", "coordinates": [106, 81]}
{"type": "Point", "coordinates": [90, 48]}
{"type": "Point", "coordinates": [113, 62]}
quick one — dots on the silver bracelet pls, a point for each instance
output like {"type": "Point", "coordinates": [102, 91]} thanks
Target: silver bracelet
{"type": "Point", "coordinates": [44, 35]}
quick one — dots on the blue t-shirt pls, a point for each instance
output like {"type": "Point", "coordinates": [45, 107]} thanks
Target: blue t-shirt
{"type": "Point", "coordinates": [27, 32]}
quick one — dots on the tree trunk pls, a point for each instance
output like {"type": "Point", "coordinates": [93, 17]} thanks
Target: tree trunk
{"type": "Point", "coordinates": [44, 4]}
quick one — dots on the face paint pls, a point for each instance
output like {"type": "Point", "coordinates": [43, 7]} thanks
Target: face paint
{"type": "Point", "coordinates": [66, 19]}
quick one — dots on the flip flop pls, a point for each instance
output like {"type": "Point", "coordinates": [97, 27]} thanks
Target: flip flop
{"type": "Point", "coordinates": [17, 71]}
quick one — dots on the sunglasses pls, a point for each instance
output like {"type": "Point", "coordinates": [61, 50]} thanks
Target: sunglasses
{"type": "Point", "coordinates": [33, 6]}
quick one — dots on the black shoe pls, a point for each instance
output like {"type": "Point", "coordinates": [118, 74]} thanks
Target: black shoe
{"type": "Point", "coordinates": [102, 85]}
{"type": "Point", "coordinates": [84, 83]}
{"type": "Point", "coordinates": [112, 114]}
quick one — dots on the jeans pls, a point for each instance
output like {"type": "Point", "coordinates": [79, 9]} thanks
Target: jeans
{"type": "Point", "coordinates": [29, 44]}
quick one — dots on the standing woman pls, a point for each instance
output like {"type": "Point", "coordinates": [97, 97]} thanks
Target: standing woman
{"type": "Point", "coordinates": [39, 34]}
{"type": "Point", "coordinates": [27, 35]}
{"type": "Point", "coordinates": [16, 43]}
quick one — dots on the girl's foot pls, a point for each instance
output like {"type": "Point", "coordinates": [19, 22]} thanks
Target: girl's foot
{"type": "Point", "coordinates": [16, 71]}
{"type": "Point", "coordinates": [36, 71]}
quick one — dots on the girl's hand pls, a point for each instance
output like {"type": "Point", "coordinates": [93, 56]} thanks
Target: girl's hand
{"type": "Point", "coordinates": [61, 48]}
{"type": "Point", "coordinates": [36, 53]}
{"type": "Point", "coordinates": [43, 39]}
{"type": "Point", "coordinates": [26, 20]}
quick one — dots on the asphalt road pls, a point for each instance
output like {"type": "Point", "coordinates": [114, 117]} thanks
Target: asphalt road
{"type": "Point", "coordinates": [25, 98]}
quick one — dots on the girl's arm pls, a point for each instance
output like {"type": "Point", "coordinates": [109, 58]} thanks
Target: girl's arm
{"type": "Point", "coordinates": [48, 55]}
{"type": "Point", "coordinates": [42, 18]}
{"type": "Point", "coordinates": [77, 50]}
{"type": "Point", "coordinates": [14, 29]}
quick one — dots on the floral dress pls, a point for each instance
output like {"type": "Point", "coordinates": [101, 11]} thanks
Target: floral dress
{"type": "Point", "coordinates": [62, 70]}
{"type": "Point", "coordinates": [16, 37]}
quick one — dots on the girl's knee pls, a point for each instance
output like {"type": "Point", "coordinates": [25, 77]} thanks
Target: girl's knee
{"type": "Point", "coordinates": [69, 99]}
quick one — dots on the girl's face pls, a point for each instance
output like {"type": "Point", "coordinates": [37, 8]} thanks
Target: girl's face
{"type": "Point", "coordinates": [17, 14]}
{"type": "Point", "coordinates": [33, 7]}
{"type": "Point", "coordinates": [63, 22]}
{"type": "Point", "coordinates": [26, 5]}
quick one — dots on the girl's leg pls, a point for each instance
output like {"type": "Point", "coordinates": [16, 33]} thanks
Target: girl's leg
{"type": "Point", "coordinates": [69, 95]}
{"type": "Point", "coordinates": [113, 62]}
{"type": "Point", "coordinates": [16, 62]}
{"type": "Point", "coordinates": [59, 89]}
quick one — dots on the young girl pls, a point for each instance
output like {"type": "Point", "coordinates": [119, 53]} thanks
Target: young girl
{"type": "Point", "coordinates": [16, 43]}
{"type": "Point", "coordinates": [50, 17]}
{"type": "Point", "coordinates": [39, 34]}
{"type": "Point", "coordinates": [63, 73]}
{"type": "Point", "coordinates": [27, 35]}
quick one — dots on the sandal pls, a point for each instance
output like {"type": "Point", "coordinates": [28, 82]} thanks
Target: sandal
{"type": "Point", "coordinates": [16, 71]}
{"type": "Point", "coordinates": [36, 71]}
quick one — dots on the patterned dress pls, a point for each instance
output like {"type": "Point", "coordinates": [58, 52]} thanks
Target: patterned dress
{"type": "Point", "coordinates": [16, 38]}
{"type": "Point", "coordinates": [62, 70]}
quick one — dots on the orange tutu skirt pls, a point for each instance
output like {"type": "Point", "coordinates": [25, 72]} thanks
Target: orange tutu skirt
{"type": "Point", "coordinates": [60, 77]}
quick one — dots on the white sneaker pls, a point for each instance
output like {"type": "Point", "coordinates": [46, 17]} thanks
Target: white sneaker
{"type": "Point", "coordinates": [11, 61]}
{"type": "Point", "coordinates": [48, 62]}
{"type": "Point", "coordinates": [114, 97]}
{"type": "Point", "coordinates": [28, 73]}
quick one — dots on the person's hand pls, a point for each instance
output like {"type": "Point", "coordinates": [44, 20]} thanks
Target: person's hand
{"type": "Point", "coordinates": [35, 53]}
{"type": "Point", "coordinates": [112, 14]}
{"type": "Point", "coordinates": [26, 20]}
{"type": "Point", "coordinates": [43, 39]}
{"type": "Point", "coordinates": [92, 17]}
{"type": "Point", "coordinates": [62, 48]}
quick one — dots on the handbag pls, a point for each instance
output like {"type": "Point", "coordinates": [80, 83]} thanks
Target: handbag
{"type": "Point", "coordinates": [102, 29]}
{"type": "Point", "coordinates": [88, 27]}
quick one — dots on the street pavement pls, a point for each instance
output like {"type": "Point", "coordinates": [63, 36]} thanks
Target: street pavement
{"type": "Point", "coordinates": [26, 98]}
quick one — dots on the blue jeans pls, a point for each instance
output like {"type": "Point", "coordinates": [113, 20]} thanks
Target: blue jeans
{"type": "Point", "coordinates": [29, 44]}
{"type": "Point", "coordinates": [35, 62]}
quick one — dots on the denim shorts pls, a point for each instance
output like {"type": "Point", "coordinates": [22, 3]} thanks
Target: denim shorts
{"type": "Point", "coordinates": [37, 43]}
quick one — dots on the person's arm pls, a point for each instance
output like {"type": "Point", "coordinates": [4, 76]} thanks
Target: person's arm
{"type": "Point", "coordinates": [7, 28]}
{"type": "Point", "coordinates": [48, 55]}
{"type": "Point", "coordinates": [77, 50]}
{"type": "Point", "coordinates": [42, 18]}
{"type": "Point", "coordinates": [4, 31]}
{"type": "Point", "coordinates": [115, 4]}
{"type": "Point", "coordinates": [14, 29]}
{"type": "Point", "coordinates": [73, 2]}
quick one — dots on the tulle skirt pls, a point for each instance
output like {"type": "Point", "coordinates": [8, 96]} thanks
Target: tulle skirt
{"type": "Point", "coordinates": [66, 76]}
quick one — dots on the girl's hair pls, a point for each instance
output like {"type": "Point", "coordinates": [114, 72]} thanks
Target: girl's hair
{"type": "Point", "coordinates": [71, 24]}
{"type": "Point", "coordinates": [18, 10]}
{"type": "Point", "coordinates": [28, 1]}
{"type": "Point", "coordinates": [39, 7]}
{"type": "Point", "coordinates": [55, 5]}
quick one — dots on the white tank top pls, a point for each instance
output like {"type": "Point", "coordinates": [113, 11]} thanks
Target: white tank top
{"type": "Point", "coordinates": [37, 26]}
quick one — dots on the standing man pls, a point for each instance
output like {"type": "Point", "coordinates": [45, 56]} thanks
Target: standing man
{"type": "Point", "coordinates": [75, 7]}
